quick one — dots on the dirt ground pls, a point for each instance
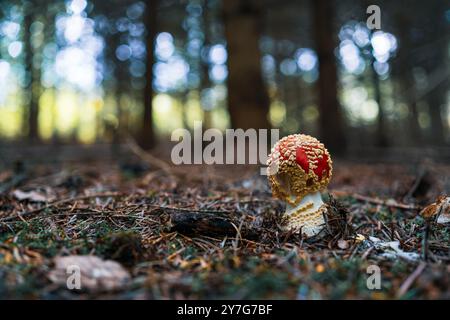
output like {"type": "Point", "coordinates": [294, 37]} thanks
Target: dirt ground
{"type": "Point", "coordinates": [214, 231]}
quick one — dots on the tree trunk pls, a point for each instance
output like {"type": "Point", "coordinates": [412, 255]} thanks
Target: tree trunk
{"type": "Point", "coordinates": [382, 139]}
{"type": "Point", "coordinates": [435, 101]}
{"type": "Point", "coordinates": [248, 101]}
{"type": "Point", "coordinates": [205, 80]}
{"type": "Point", "coordinates": [32, 114]}
{"type": "Point", "coordinates": [414, 126]}
{"type": "Point", "coordinates": [117, 129]}
{"type": "Point", "coordinates": [433, 61]}
{"type": "Point", "coordinates": [330, 121]}
{"type": "Point", "coordinates": [147, 138]}
{"type": "Point", "coordinates": [403, 70]}
{"type": "Point", "coordinates": [121, 89]}
{"type": "Point", "coordinates": [437, 96]}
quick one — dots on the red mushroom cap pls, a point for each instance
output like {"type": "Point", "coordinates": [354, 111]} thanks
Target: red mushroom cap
{"type": "Point", "coordinates": [298, 165]}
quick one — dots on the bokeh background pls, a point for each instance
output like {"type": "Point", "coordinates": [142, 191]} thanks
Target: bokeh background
{"type": "Point", "coordinates": [94, 71]}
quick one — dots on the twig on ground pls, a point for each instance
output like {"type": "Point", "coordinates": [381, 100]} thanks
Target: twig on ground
{"type": "Point", "coordinates": [152, 160]}
{"type": "Point", "coordinates": [156, 206]}
{"type": "Point", "coordinates": [387, 203]}
{"type": "Point", "coordinates": [412, 277]}
{"type": "Point", "coordinates": [172, 171]}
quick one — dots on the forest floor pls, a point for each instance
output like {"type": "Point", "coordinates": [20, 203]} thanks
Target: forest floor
{"type": "Point", "coordinates": [214, 232]}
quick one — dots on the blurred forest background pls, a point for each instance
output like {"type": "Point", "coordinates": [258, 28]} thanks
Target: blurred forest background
{"type": "Point", "coordinates": [91, 71]}
{"type": "Point", "coordinates": [82, 80]}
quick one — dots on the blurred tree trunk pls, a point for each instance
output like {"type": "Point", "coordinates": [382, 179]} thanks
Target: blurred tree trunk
{"type": "Point", "coordinates": [184, 99]}
{"type": "Point", "coordinates": [248, 101]}
{"type": "Point", "coordinates": [414, 126]}
{"type": "Point", "coordinates": [408, 86]}
{"type": "Point", "coordinates": [436, 99]}
{"type": "Point", "coordinates": [437, 67]}
{"type": "Point", "coordinates": [117, 128]}
{"type": "Point", "coordinates": [382, 139]}
{"type": "Point", "coordinates": [300, 102]}
{"type": "Point", "coordinates": [33, 71]}
{"type": "Point", "coordinates": [403, 71]}
{"type": "Point", "coordinates": [424, 51]}
{"type": "Point", "coordinates": [330, 120]}
{"type": "Point", "coordinates": [54, 123]}
{"type": "Point", "coordinates": [50, 36]}
{"type": "Point", "coordinates": [205, 81]}
{"type": "Point", "coordinates": [147, 138]}
{"type": "Point", "coordinates": [122, 87]}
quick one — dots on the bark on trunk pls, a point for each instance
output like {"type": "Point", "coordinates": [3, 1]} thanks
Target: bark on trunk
{"type": "Point", "coordinates": [382, 139]}
{"type": "Point", "coordinates": [205, 81]}
{"type": "Point", "coordinates": [435, 101]}
{"type": "Point", "coordinates": [330, 120]}
{"type": "Point", "coordinates": [248, 101]}
{"type": "Point", "coordinates": [403, 70]}
{"type": "Point", "coordinates": [32, 113]}
{"type": "Point", "coordinates": [147, 138]}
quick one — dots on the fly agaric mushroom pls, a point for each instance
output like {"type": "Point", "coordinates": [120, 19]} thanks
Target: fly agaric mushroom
{"type": "Point", "coordinates": [299, 167]}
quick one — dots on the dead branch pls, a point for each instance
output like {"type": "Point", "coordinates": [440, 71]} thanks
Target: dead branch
{"type": "Point", "coordinates": [205, 224]}
{"type": "Point", "coordinates": [152, 160]}
{"type": "Point", "coordinates": [412, 277]}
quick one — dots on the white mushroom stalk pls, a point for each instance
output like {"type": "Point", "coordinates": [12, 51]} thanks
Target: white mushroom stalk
{"type": "Point", "coordinates": [299, 168]}
{"type": "Point", "coordinates": [307, 215]}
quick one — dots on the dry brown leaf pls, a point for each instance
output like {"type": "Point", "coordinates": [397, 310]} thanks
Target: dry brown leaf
{"type": "Point", "coordinates": [32, 196]}
{"type": "Point", "coordinates": [440, 208]}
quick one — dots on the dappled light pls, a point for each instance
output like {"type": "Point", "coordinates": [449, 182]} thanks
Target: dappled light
{"type": "Point", "coordinates": [224, 149]}
{"type": "Point", "coordinates": [76, 63]}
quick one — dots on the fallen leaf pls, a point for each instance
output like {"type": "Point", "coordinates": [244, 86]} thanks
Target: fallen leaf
{"type": "Point", "coordinates": [439, 209]}
{"type": "Point", "coordinates": [96, 274]}
{"type": "Point", "coordinates": [32, 196]}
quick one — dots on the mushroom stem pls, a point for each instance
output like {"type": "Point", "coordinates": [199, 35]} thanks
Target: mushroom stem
{"type": "Point", "coordinates": [307, 215]}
